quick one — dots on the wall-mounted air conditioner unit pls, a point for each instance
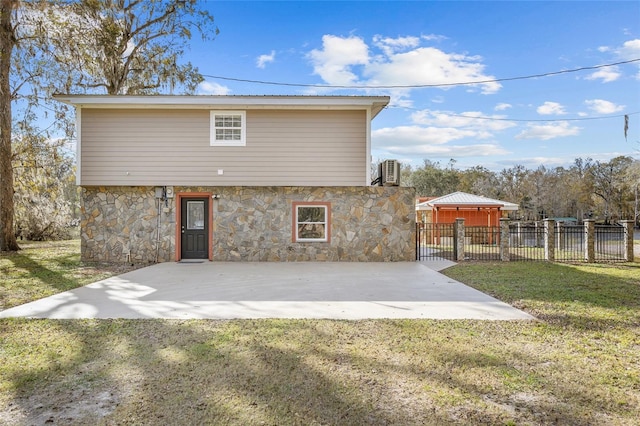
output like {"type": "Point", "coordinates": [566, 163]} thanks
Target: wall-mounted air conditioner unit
{"type": "Point", "coordinates": [390, 173]}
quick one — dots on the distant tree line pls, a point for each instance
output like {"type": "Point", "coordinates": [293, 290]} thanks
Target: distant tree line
{"type": "Point", "coordinates": [605, 191]}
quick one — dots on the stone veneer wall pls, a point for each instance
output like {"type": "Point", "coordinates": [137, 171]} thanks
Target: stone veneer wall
{"type": "Point", "coordinates": [251, 224]}
{"type": "Point", "coordinates": [120, 224]}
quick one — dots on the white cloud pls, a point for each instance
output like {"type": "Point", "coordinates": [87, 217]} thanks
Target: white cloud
{"type": "Point", "coordinates": [607, 74]}
{"type": "Point", "coordinates": [263, 60]}
{"type": "Point", "coordinates": [429, 66]}
{"type": "Point", "coordinates": [601, 106]}
{"type": "Point", "coordinates": [502, 106]}
{"type": "Point", "coordinates": [435, 139]}
{"type": "Point", "coordinates": [551, 108]}
{"type": "Point", "coordinates": [448, 151]}
{"type": "Point", "coordinates": [209, 88]}
{"type": "Point", "coordinates": [433, 37]}
{"type": "Point", "coordinates": [433, 132]}
{"type": "Point", "coordinates": [399, 98]}
{"type": "Point", "coordinates": [630, 49]}
{"type": "Point", "coordinates": [480, 124]}
{"type": "Point", "coordinates": [418, 135]}
{"type": "Point", "coordinates": [400, 62]}
{"type": "Point", "coordinates": [392, 45]}
{"type": "Point", "coordinates": [338, 55]}
{"type": "Point", "coordinates": [548, 131]}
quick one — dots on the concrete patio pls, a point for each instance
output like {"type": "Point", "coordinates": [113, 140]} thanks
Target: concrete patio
{"type": "Point", "coordinates": [230, 290]}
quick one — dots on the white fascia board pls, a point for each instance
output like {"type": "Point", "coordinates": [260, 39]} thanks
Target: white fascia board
{"type": "Point", "coordinates": [376, 103]}
{"type": "Point", "coordinates": [78, 146]}
{"type": "Point", "coordinates": [367, 157]}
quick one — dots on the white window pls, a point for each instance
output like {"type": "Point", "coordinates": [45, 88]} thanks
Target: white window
{"type": "Point", "coordinates": [312, 222]}
{"type": "Point", "coordinates": [228, 128]}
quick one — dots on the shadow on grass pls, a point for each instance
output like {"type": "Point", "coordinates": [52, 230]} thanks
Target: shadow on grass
{"type": "Point", "coordinates": [70, 260]}
{"type": "Point", "coordinates": [203, 372]}
{"type": "Point", "coordinates": [42, 269]}
{"type": "Point", "coordinates": [588, 296]}
{"type": "Point", "coordinates": [278, 372]}
{"type": "Point", "coordinates": [38, 270]}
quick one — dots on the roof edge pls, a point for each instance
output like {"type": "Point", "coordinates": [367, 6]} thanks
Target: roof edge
{"type": "Point", "coordinates": [461, 199]}
{"type": "Point", "coordinates": [376, 103]}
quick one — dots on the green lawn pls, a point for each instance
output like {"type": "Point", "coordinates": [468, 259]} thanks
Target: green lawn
{"type": "Point", "coordinates": [578, 364]}
{"type": "Point", "coordinates": [41, 269]}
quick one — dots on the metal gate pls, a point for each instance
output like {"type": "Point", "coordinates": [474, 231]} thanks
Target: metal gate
{"type": "Point", "coordinates": [434, 241]}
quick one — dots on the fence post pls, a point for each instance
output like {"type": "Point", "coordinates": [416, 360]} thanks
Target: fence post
{"type": "Point", "coordinates": [504, 239]}
{"type": "Point", "coordinates": [549, 240]}
{"type": "Point", "coordinates": [589, 240]}
{"type": "Point", "coordinates": [458, 241]}
{"type": "Point", "coordinates": [417, 241]}
{"type": "Point", "coordinates": [628, 239]}
{"type": "Point", "coordinates": [539, 234]}
{"type": "Point", "coordinates": [561, 236]}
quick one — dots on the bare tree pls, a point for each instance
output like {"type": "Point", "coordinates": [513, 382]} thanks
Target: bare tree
{"type": "Point", "coordinates": [609, 184]}
{"type": "Point", "coordinates": [480, 181]}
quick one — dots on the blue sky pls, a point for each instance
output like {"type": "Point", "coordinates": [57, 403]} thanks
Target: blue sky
{"type": "Point", "coordinates": [389, 43]}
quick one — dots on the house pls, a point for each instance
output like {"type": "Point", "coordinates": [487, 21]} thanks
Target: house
{"type": "Point", "coordinates": [235, 178]}
{"type": "Point", "coordinates": [476, 210]}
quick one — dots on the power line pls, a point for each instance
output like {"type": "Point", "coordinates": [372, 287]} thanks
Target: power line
{"type": "Point", "coordinates": [418, 86]}
{"type": "Point", "coordinates": [470, 117]}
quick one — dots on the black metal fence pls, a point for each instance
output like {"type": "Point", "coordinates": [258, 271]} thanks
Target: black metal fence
{"type": "Point", "coordinates": [482, 243]}
{"type": "Point", "coordinates": [526, 242]}
{"type": "Point", "coordinates": [609, 246]}
{"type": "Point", "coordinates": [569, 243]}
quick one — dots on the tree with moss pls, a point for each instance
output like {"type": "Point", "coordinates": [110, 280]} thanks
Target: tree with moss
{"type": "Point", "coordinates": [88, 46]}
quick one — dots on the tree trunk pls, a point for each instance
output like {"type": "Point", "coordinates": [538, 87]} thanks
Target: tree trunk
{"type": "Point", "coordinates": [7, 42]}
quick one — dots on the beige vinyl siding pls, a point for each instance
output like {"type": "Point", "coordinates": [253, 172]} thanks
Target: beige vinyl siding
{"type": "Point", "coordinates": [171, 147]}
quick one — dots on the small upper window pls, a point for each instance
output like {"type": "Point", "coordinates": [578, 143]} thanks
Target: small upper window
{"type": "Point", "coordinates": [228, 128]}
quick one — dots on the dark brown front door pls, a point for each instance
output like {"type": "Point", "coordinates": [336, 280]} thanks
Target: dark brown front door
{"type": "Point", "coordinates": [195, 228]}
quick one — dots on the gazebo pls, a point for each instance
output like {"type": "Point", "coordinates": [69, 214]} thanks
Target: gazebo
{"type": "Point", "coordinates": [474, 209]}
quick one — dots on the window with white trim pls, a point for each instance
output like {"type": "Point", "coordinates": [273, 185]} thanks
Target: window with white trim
{"type": "Point", "coordinates": [312, 222]}
{"type": "Point", "coordinates": [228, 128]}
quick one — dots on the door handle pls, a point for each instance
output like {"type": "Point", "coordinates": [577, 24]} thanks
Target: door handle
{"type": "Point", "coordinates": [183, 229]}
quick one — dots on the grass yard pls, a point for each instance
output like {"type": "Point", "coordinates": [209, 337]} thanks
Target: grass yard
{"type": "Point", "coordinates": [578, 365]}
{"type": "Point", "coordinates": [41, 269]}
